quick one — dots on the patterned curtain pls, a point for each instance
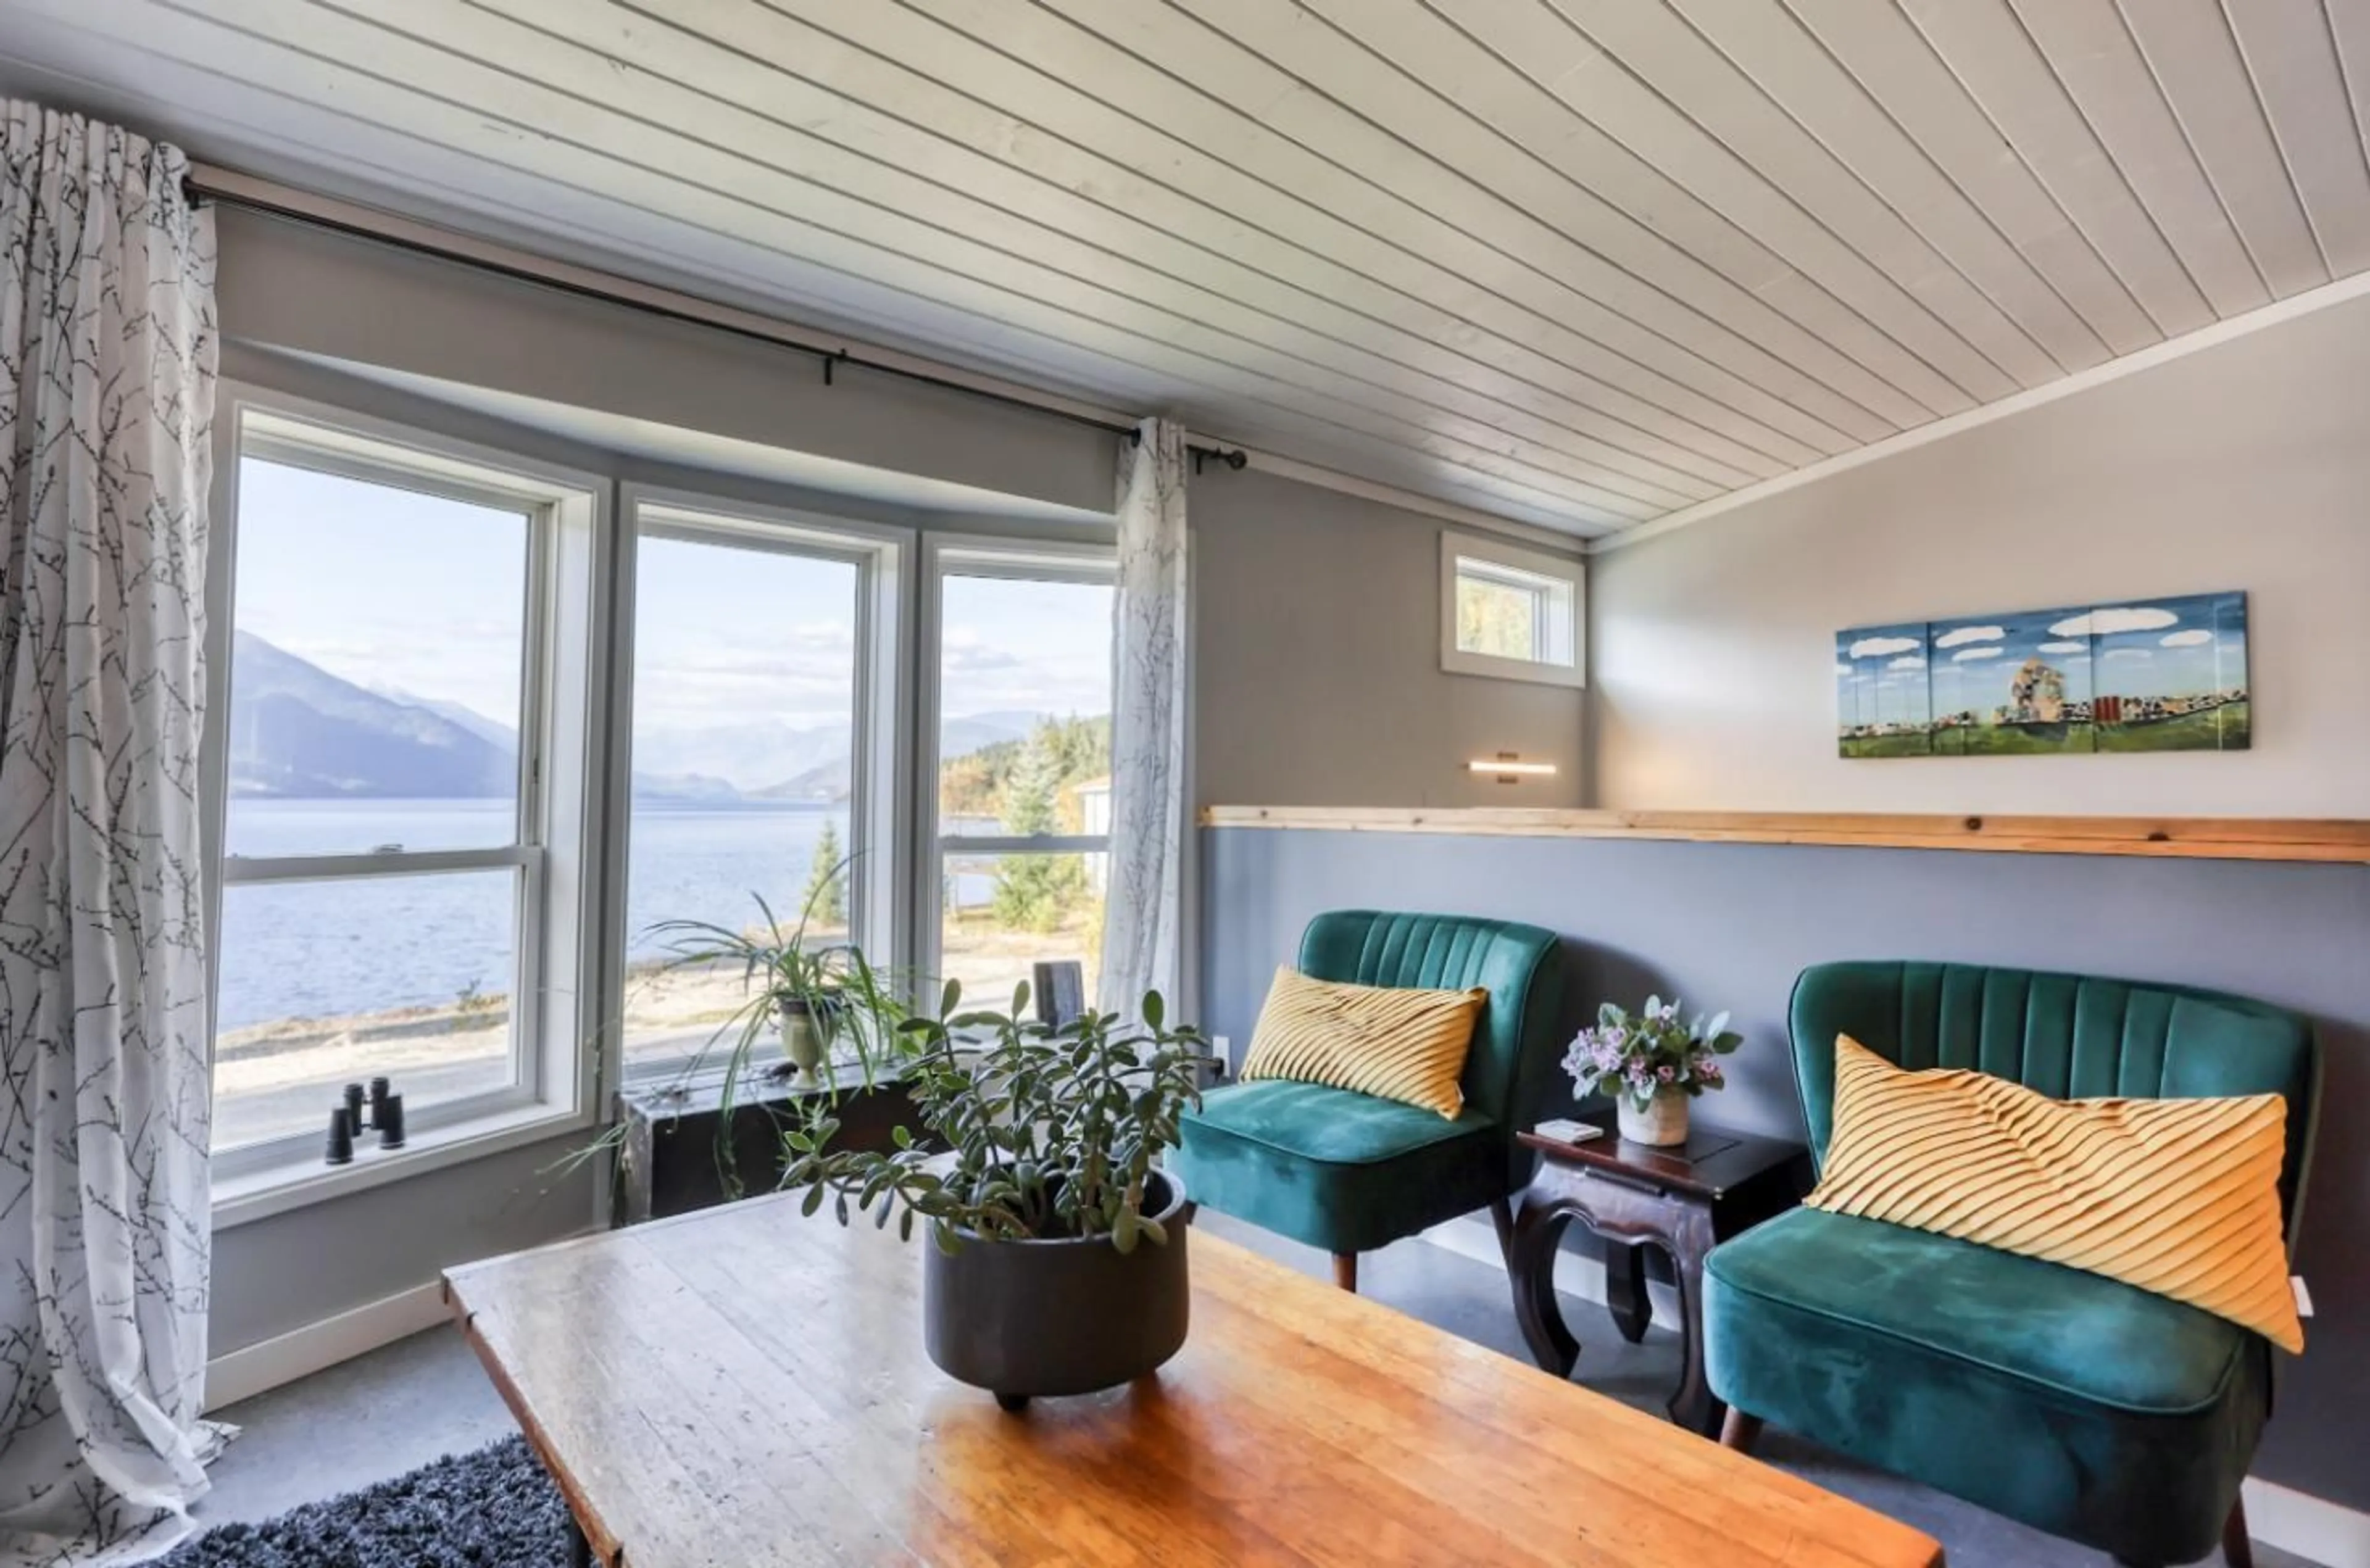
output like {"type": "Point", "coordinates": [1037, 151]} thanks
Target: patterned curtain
{"type": "Point", "coordinates": [1143, 902]}
{"type": "Point", "coordinates": [107, 389]}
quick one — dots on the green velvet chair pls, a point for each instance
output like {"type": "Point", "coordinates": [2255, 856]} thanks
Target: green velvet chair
{"type": "Point", "coordinates": [1349, 1172]}
{"type": "Point", "coordinates": [2080, 1406]}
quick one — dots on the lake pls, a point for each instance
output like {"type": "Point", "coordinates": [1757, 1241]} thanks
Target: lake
{"type": "Point", "coordinates": [294, 950]}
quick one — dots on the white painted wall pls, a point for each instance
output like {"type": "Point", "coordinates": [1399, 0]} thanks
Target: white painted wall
{"type": "Point", "coordinates": [2244, 465]}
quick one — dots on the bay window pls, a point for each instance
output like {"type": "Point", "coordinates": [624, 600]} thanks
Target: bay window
{"type": "Point", "coordinates": [762, 685]}
{"type": "Point", "coordinates": [476, 747]}
{"type": "Point", "coordinates": [406, 653]}
{"type": "Point", "coordinates": [1017, 740]}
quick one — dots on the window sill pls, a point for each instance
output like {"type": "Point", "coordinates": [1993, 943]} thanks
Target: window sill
{"type": "Point", "coordinates": [259, 1195]}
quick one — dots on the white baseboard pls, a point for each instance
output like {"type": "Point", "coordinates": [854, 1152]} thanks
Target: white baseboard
{"type": "Point", "coordinates": [2313, 1528]}
{"type": "Point", "coordinates": [244, 1373]}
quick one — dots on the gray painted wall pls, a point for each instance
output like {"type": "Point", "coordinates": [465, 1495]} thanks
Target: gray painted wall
{"type": "Point", "coordinates": [1731, 925]}
{"type": "Point", "coordinates": [1317, 662]}
{"type": "Point", "coordinates": [284, 285]}
{"type": "Point", "coordinates": [278, 1275]}
{"type": "Point", "coordinates": [2240, 466]}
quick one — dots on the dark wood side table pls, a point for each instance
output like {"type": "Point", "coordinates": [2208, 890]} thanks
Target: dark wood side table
{"type": "Point", "coordinates": [1683, 1199]}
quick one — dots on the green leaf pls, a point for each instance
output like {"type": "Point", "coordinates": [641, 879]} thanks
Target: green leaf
{"type": "Point", "coordinates": [901, 1135]}
{"type": "Point", "coordinates": [813, 1201]}
{"type": "Point", "coordinates": [1154, 1010]}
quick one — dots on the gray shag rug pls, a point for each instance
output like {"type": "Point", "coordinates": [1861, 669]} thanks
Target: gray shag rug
{"type": "Point", "coordinates": [493, 1508]}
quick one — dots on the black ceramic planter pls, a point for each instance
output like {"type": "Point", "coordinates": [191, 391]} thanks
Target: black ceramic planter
{"type": "Point", "coordinates": [1022, 1319]}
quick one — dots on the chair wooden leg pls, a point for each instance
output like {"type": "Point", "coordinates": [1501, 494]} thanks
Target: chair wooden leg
{"type": "Point", "coordinates": [1502, 1215]}
{"type": "Point", "coordinates": [2238, 1550]}
{"type": "Point", "coordinates": [1345, 1271]}
{"type": "Point", "coordinates": [1740, 1431]}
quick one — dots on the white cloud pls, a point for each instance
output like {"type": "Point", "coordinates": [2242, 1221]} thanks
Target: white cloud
{"type": "Point", "coordinates": [1911, 663]}
{"type": "Point", "coordinates": [2101, 623]}
{"type": "Point", "coordinates": [1971, 634]}
{"type": "Point", "coordinates": [1843, 669]}
{"type": "Point", "coordinates": [1965, 654]}
{"type": "Point", "coordinates": [2063, 647]}
{"type": "Point", "coordinates": [2129, 653]}
{"type": "Point", "coordinates": [1882, 648]}
{"type": "Point", "coordinates": [2187, 639]}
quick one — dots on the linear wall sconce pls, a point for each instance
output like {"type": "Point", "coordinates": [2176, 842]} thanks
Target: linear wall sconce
{"type": "Point", "coordinates": [1510, 768]}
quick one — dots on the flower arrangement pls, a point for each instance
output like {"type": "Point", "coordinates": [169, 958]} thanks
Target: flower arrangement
{"type": "Point", "coordinates": [1637, 1058]}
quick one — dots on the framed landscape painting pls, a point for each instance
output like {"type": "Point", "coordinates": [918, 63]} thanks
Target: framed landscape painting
{"type": "Point", "coordinates": [2146, 675]}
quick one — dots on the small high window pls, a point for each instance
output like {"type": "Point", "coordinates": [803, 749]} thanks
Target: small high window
{"type": "Point", "coordinates": [1509, 612]}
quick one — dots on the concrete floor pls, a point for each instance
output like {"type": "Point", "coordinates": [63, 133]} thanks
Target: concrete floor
{"type": "Point", "coordinates": [399, 1407]}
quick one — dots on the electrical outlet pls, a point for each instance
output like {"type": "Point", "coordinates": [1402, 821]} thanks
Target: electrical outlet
{"type": "Point", "coordinates": [1224, 1049]}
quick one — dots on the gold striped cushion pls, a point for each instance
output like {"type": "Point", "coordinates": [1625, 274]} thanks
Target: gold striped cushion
{"type": "Point", "coordinates": [1400, 1044]}
{"type": "Point", "coordinates": [2177, 1196]}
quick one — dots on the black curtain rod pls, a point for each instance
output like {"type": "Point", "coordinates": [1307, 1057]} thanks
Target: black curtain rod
{"type": "Point", "coordinates": [197, 196]}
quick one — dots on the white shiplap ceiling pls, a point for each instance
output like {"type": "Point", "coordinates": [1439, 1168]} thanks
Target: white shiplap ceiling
{"type": "Point", "coordinates": [1580, 262]}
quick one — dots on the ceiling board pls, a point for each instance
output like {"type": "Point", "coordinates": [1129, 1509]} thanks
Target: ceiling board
{"type": "Point", "coordinates": [1584, 263]}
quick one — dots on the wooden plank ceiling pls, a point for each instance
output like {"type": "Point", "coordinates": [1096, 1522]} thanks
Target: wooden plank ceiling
{"type": "Point", "coordinates": [1580, 262]}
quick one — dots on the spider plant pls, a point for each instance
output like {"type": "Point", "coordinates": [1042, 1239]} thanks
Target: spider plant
{"type": "Point", "coordinates": [825, 996]}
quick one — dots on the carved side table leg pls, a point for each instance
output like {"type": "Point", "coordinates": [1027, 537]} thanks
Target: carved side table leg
{"type": "Point", "coordinates": [1532, 1269]}
{"type": "Point", "coordinates": [1693, 1406]}
{"type": "Point", "coordinates": [1625, 1290]}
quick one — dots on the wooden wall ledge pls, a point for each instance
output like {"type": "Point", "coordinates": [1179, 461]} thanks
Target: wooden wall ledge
{"type": "Point", "coordinates": [2204, 838]}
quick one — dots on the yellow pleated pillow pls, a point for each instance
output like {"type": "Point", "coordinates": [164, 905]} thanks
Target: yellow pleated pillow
{"type": "Point", "coordinates": [2177, 1196]}
{"type": "Point", "coordinates": [1400, 1044]}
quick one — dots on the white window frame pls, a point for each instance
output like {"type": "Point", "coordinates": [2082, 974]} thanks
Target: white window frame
{"type": "Point", "coordinates": [984, 556]}
{"type": "Point", "coordinates": [880, 792]}
{"type": "Point", "coordinates": [554, 1084]}
{"type": "Point", "coordinates": [1514, 561]}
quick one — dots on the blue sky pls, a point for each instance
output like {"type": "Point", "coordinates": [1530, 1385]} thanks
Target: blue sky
{"type": "Point", "coordinates": [2171, 646]}
{"type": "Point", "coordinates": [1976, 657]}
{"type": "Point", "coordinates": [1881, 675]}
{"type": "Point", "coordinates": [397, 590]}
{"type": "Point", "coordinates": [385, 588]}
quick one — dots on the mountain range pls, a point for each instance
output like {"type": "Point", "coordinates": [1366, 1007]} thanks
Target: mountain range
{"type": "Point", "coordinates": [299, 732]}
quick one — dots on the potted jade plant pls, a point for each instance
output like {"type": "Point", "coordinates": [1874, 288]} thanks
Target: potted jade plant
{"type": "Point", "coordinates": [1652, 1064]}
{"type": "Point", "coordinates": [1059, 1262]}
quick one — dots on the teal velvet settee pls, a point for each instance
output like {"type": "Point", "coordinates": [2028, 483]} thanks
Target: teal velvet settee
{"type": "Point", "coordinates": [1349, 1172]}
{"type": "Point", "coordinates": [2077, 1403]}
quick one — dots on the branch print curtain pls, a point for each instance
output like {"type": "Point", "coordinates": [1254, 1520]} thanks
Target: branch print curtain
{"type": "Point", "coordinates": [1143, 902]}
{"type": "Point", "coordinates": [106, 385]}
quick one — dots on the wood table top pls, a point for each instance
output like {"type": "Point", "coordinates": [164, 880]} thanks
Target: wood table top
{"type": "Point", "coordinates": [744, 1387]}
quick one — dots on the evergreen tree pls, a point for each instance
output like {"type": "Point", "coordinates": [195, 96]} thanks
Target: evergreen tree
{"type": "Point", "coordinates": [826, 894]}
{"type": "Point", "coordinates": [1033, 892]}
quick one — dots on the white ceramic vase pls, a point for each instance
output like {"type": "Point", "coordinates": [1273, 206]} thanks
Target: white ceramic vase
{"type": "Point", "coordinates": [801, 1041]}
{"type": "Point", "coordinates": [1661, 1123]}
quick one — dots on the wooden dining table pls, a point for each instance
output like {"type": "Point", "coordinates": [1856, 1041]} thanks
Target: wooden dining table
{"type": "Point", "coordinates": [746, 1387]}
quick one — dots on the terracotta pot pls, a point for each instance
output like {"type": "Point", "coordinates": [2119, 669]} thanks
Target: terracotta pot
{"type": "Point", "coordinates": [1661, 1123]}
